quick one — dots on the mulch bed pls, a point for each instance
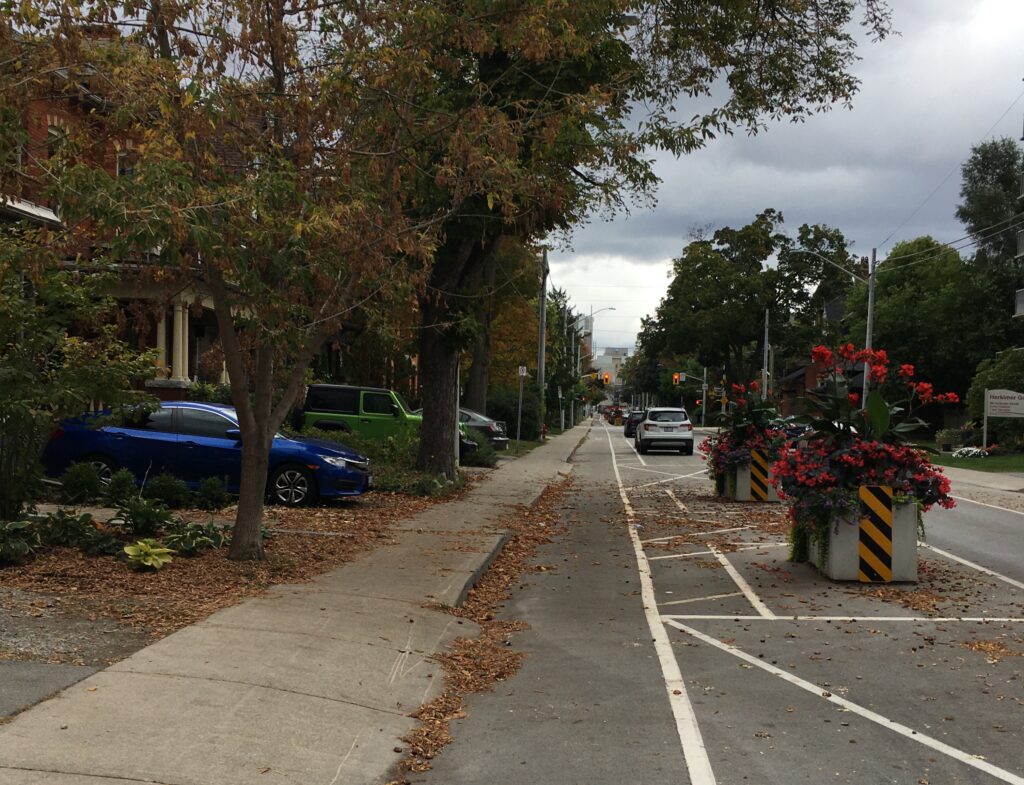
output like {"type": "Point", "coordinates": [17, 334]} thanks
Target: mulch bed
{"type": "Point", "coordinates": [191, 588]}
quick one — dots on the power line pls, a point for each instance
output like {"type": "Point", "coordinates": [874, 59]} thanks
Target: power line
{"type": "Point", "coordinates": [951, 172]}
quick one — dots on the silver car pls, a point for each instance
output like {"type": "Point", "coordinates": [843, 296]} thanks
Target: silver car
{"type": "Point", "coordinates": [667, 428]}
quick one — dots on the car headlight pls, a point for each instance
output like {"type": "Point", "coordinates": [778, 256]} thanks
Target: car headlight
{"type": "Point", "coordinates": [347, 463]}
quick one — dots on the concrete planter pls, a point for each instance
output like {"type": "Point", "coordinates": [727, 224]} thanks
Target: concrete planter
{"type": "Point", "coordinates": [737, 485]}
{"type": "Point", "coordinates": [842, 561]}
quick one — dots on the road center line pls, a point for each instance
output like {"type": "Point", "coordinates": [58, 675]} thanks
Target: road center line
{"type": "Point", "coordinates": [974, 761]}
{"type": "Point", "coordinates": [694, 752]}
{"type": "Point", "coordinates": [978, 567]}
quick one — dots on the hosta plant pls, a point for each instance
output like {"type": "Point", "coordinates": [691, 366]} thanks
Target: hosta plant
{"type": "Point", "coordinates": [148, 554]}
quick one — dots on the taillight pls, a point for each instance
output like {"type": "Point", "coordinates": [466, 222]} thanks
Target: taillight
{"type": "Point", "coordinates": [647, 426]}
{"type": "Point", "coordinates": [689, 426]}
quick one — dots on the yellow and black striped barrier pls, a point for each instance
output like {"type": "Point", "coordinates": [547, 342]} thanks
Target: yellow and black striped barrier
{"type": "Point", "coordinates": [875, 547]}
{"type": "Point", "coordinates": [759, 471]}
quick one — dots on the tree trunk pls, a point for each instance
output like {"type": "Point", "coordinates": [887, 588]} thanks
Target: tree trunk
{"type": "Point", "coordinates": [246, 537]}
{"type": "Point", "coordinates": [438, 388]}
{"type": "Point", "coordinates": [479, 371]}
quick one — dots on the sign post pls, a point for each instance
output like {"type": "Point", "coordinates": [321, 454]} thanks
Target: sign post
{"type": "Point", "coordinates": [519, 414]}
{"type": "Point", "coordinates": [1000, 403]}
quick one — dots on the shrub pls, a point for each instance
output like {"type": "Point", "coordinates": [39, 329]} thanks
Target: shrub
{"type": "Point", "coordinates": [121, 486]}
{"type": "Point", "coordinates": [142, 517]}
{"type": "Point", "coordinates": [952, 436]}
{"type": "Point", "coordinates": [484, 454]}
{"type": "Point", "coordinates": [81, 483]}
{"type": "Point", "coordinates": [18, 541]}
{"type": "Point", "coordinates": [210, 393]}
{"type": "Point", "coordinates": [503, 404]}
{"type": "Point", "coordinates": [168, 490]}
{"type": "Point", "coordinates": [67, 529]}
{"type": "Point", "coordinates": [212, 494]}
{"type": "Point", "coordinates": [148, 554]}
{"type": "Point", "coordinates": [189, 539]}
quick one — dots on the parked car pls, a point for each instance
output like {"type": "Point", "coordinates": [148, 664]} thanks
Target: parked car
{"type": "Point", "coordinates": [634, 418]}
{"type": "Point", "coordinates": [493, 430]}
{"type": "Point", "coordinates": [194, 441]}
{"type": "Point", "coordinates": [374, 412]}
{"type": "Point", "coordinates": [667, 428]}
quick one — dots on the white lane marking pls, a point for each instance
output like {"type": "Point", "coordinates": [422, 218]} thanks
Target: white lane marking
{"type": "Point", "coordinates": [742, 585]}
{"type": "Point", "coordinates": [671, 475]}
{"type": "Point", "coordinates": [694, 752]}
{"type": "Point", "coordinates": [668, 479]}
{"type": "Point", "coordinates": [983, 504]}
{"type": "Point", "coordinates": [865, 619]}
{"type": "Point", "coordinates": [664, 539]}
{"type": "Point", "coordinates": [971, 564]}
{"type": "Point", "coordinates": [630, 443]}
{"type": "Point", "coordinates": [743, 547]}
{"type": "Point", "coordinates": [974, 761]}
{"type": "Point", "coordinates": [722, 531]}
{"type": "Point", "coordinates": [682, 507]}
{"type": "Point", "coordinates": [698, 599]}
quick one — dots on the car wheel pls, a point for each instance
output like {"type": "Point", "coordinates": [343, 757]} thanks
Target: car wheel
{"type": "Point", "coordinates": [104, 466]}
{"type": "Point", "coordinates": [292, 486]}
{"type": "Point", "coordinates": [643, 448]}
{"type": "Point", "coordinates": [688, 450]}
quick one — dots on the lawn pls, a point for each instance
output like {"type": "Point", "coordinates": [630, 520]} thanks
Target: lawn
{"type": "Point", "coordinates": [1013, 462]}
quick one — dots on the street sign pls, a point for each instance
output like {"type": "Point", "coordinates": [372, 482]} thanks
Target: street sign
{"type": "Point", "coordinates": [1004, 403]}
{"type": "Point", "coordinates": [522, 370]}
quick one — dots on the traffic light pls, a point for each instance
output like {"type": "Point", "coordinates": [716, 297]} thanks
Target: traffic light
{"type": "Point", "coordinates": [607, 377]}
{"type": "Point", "coordinates": [593, 376]}
{"type": "Point", "coordinates": [698, 402]}
{"type": "Point", "coordinates": [675, 378]}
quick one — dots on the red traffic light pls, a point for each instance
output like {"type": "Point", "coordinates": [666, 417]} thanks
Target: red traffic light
{"type": "Point", "coordinates": [675, 378]}
{"type": "Point", "coordinates": [607, 377]}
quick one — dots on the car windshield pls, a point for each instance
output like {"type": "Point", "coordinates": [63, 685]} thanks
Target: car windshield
{"type": "Point", "coordinates": [402, 402]}
{"type": "Point", "coordinates": [667, 416]}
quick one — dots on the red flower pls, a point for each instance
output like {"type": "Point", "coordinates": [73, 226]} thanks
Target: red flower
{"type": "Point", "coordinates": [906, 370]}
{"type": "Point", "coordinates": [754, 387]}
{"type": "Point", "coordinates": [822, 354]}
{"type": "Point", "coordinates": [847, 352]}
{"type": "Point", "coordinates": [950, 397]}
{"type": "Point", "coordinates": [738, 388]}
{"type": "Point", "coordinates": [878, 372]}
{"type": "Point", "coordinates": [854, 399]}
{"type": "Point", "coordinates": [925, 390]}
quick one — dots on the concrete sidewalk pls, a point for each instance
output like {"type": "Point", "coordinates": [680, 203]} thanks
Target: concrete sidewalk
{"type": "Point", "coordinates": [996, 481]}
{"type": "Point", "coordinates": [312, 683]}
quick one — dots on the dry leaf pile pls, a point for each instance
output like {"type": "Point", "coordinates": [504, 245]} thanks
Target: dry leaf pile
{"type": "Point", "coordinates": [474, 665]}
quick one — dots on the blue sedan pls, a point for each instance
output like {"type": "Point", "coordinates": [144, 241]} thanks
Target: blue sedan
{"type": "Point", "coordinates": [194, 441]}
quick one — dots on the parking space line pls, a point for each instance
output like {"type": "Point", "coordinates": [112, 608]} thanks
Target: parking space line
{"type": "Point", "coordinates": [698, 599]}
{"type": "Point", "coordinates": [978, 567]}
{"type": "Point", "coordinates": [742, 585]}
{"type": "Point", "coordinates": [714, 552]}
{"type": "Point", "coordinates": [673, 475]}
{"type": "Point", "coordinates": [722, 531]}
{"type": "Point", "coordinates": [679, 504]}
{"type": "Point", "coordinates": [975, 761]}
{"type": "Point", "coordinates": [695, 754]}
{"type": "Point", "coordinates": [667, 479]}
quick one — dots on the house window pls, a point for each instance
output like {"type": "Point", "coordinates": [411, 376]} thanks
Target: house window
{"type": "Point", "coordinates": [54, 140]}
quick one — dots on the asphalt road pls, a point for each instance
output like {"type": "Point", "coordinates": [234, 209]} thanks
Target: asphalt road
{"type": "Point", "coordinates": [985, 534]}
{"type": "Point", "coordinates": [672, 642]}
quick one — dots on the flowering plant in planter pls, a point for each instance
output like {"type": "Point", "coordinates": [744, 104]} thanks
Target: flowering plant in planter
{"type": "Point", "coordinates": [749, 423]}
{"type": "Point", "coordinates": [852, 446]}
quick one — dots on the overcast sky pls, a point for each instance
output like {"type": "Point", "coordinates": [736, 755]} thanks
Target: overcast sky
{"type": "Point", "coordinates": [926, 97]}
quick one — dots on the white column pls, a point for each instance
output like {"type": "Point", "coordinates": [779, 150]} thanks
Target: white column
{"type": "Point", "coordinates": [178, 367]}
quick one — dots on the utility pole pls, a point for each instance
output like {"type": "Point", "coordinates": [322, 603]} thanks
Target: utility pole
{"type": "Point", "coordinates": [704, 398]}
{"type": "Point", "coordinates": [764, 361]}
{"type": "Point", "coordinates": [542, 338]}
{"type": "Point", "coordinates": [871, 319]}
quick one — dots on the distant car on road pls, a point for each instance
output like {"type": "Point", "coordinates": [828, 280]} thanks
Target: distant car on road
{"type": "Point", "coordinates": [632, 420]}
{"type": "Point", "coordinates": [194, 441]}
{"type": "Point", "coordinates": [667, 428]}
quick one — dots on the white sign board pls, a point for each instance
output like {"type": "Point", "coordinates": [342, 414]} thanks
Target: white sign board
{"type": "Point", "coordinates": [522, 370]}
{"type": "Point", "coordinates": [1004, 403]}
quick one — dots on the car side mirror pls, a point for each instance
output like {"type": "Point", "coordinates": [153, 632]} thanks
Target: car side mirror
{"type": "Point", "coordinates": [233, 433]}
{"type": "Point", "coordinates": [395, 411]}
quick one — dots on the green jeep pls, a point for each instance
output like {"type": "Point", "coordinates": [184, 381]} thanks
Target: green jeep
{"type": "Point", "coordinates": [373, 412]}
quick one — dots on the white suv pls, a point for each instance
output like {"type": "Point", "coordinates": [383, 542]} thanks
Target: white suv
{"type": "Point", "coordinates": [665, 428]}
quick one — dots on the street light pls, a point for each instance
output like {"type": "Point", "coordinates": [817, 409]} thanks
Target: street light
{"type": "Point", "coordinates": [870, 281]}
